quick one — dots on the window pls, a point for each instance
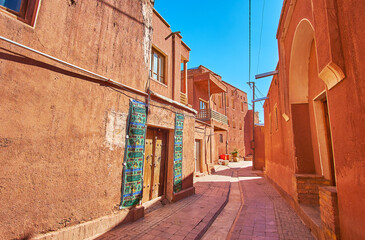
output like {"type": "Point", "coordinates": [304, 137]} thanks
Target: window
{"type": "Point", "coordinates": [240, 125]}
{"type": "Point", "coordinates": [23, 10]}
{"type": "Point", "coordinates": [232, 93]}
{"type": "Point", "coordinates": [227, 100]}
{"type": "Point", "coordinates": [233, 103]}
{"type": "Point", "coordinates": [157, 69]}
{"type": "Point", "coordinates": [221, 138]}
{"type": "Point", "coordinates": [202, 104]}
{"type": "Point", "coordinates": [242, 106]}
{"type": "Point", "coordinates": [234, 124]}
{"type": "Point", "coordinates": [13, 5]}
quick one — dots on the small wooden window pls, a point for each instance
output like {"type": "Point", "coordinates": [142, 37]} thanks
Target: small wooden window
{"type": "Point", "coordinates": [233, 103]}
{"type": "Point", "coordinates": [242, 106]}
{"type": "Point", "coordinates": [23, 10]}
{"type": "Point", "coordinates": [157, 68]}
{"type": "Point", "coordinates": [202, 104]}
{"type": "Point", "coordinates": [227, 100]}
{"type": "Point", "coordinates": [234, 124]}
{"type": "Point", "coordinates": [221, 138]}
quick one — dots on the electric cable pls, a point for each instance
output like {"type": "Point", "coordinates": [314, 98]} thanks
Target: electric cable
{"type": "Point", "coordinates": [262, 23]}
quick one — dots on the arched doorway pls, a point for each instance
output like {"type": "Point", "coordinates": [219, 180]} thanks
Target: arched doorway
{"type": "Point", "coordinates": [298, 97]}
{"type": "Point", "coordinates": [309, 108]}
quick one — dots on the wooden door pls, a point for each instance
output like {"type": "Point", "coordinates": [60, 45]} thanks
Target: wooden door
{"type": "Point", "coordinates": [157, 164]}
{"type": "Point", "coordinates": [197, 155]}
{"type": "Point", "coordinates": [147, 169]}
{"type": "Point", "coordinates": [329, 142]}
{"type": "Point", "coordinates": [154, 164]}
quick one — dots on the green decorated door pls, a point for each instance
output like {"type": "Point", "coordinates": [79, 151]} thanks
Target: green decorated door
{"type": "Point", "coordinates": [154, 164]}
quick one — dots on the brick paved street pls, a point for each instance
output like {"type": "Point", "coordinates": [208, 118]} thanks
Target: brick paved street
{"type": "Point", "coordinates": [217, 211]}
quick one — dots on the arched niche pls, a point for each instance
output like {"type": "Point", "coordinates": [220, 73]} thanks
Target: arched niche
{"type": "Point", "coordinates": [299, 59]}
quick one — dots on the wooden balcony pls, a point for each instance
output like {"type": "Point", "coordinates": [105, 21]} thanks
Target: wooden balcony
{"type": "Point", "coordinates": [208, 115]}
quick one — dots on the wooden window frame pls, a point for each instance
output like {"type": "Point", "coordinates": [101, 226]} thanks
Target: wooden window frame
{"type": "Point", "coordinates": [27, 13]}
{"type": "Point", "coordinates": [161, 75]}
{"type": "Point", "coordinates": [203, 101]}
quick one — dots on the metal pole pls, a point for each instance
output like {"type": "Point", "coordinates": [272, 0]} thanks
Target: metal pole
{"type": "Point", "coordinates": [209, 116]}
{"type": "Point", "coordinates": [253, 126]}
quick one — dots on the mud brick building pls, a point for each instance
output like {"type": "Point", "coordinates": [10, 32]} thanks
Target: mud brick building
{"type": "Point", "coordinates": [236, 108]}
{"type": "Point", "coordinates": [314, 135]}
{"type": "Point", "coordinates": [219, 126]}
{"type": "Point", "coordinates": [103, 129]}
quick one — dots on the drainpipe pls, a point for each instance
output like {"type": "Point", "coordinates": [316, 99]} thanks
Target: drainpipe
{"type": "Point", "coordinates": [225, 111]}
{"type": "Point", "coordinates": [173, 67]}
{"type": "Point", "coordinates": [210, 134]}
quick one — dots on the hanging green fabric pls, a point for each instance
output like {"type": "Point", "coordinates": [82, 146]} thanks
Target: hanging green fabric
{"type": "Point", "coordinates": [134, 155]}
{"type": "Point", "coordinates": [178, 152]}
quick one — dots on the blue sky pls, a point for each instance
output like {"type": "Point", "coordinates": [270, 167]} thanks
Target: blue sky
{"type": "Point", "coordinates": [217, 34]}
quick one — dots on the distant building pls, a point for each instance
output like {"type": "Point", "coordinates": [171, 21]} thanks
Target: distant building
{"type": "Point", "coordinates": [221, 116]}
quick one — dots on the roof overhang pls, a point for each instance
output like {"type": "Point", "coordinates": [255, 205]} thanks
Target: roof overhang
{"type": "Point", "coordinates": [216, 85]}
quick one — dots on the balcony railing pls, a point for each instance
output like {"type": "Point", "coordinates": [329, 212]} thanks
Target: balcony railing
{"type": "Point", "coordinates": [183, 98]}
{"type": "Point", "coordinates": [207, 114]}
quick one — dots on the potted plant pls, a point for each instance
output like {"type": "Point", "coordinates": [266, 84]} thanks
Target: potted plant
{"type": "Point", "coordinates": [234, 153]}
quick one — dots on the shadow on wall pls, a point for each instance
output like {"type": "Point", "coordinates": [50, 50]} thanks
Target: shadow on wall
{"type": "Point", "coordinates": [18, 58]}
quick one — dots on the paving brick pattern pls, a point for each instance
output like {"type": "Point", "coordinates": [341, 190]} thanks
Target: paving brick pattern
{"type": "Point", "coordinates": [186, 219]}
{"type": "Point", "coordinates": [265, 215]}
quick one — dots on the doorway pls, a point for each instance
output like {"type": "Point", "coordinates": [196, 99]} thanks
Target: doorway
{"type": "Point", "coordinates": [324, 138]}
{"type": "Point", "coordinates": [197, 156]}
{"type": "Point", "coordinates": [154, 168]}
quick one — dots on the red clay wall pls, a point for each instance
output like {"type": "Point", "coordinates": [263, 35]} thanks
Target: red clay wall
{"type": "Point", "coordinates": [340, 37]}
{"type": "Point", "coordinates": [61, 132]}
{"type": "Point", "coordinates": [346, 108]}
{"type": "Point", "coordinates": [59, 167]}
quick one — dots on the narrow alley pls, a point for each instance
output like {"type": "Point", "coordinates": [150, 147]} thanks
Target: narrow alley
{"type": "Point", "coordinates": [233, 203]}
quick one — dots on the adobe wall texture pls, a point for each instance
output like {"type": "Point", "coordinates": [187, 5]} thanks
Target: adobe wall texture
{"type": "Point", "coordinates": [339, 36]}
{"type": "Point", "coordinates": [62, 132]}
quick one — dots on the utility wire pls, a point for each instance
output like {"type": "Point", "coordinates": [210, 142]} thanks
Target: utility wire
{"type": "Point", "coordinates": [249, 41]}
{"type": "Point", "coordinates": [262, 23]}
{"type": "Point", "coordinates": [260, 92]}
